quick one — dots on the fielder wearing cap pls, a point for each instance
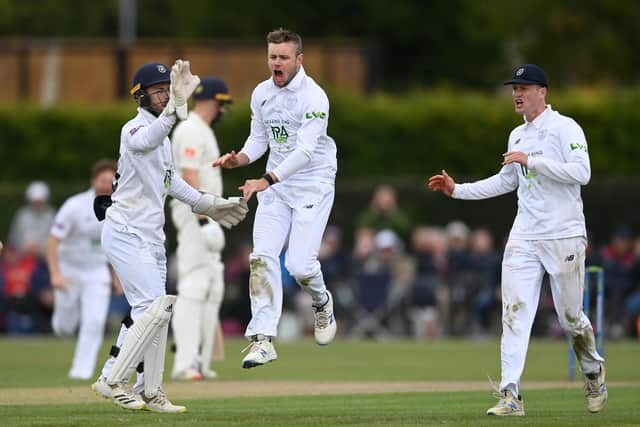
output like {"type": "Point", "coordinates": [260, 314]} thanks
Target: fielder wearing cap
{"type": "Point", "coordinates": [546, 162]}
{"type": "Point", "coordinates": [195, 322]}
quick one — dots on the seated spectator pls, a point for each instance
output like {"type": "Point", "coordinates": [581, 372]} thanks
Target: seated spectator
{"type": "Point", "coordinates": [26, 291]}
{"type": "Point", "coordinates": [485, 268]}
{"type": "Point", "coordinates": [384, 213]}
{"type": "Point", "coordinates": [31, 224]}
{"type": "Point", "coordinates": [617, 259]}
{"type": "Point", "coordinates": [235, 312]}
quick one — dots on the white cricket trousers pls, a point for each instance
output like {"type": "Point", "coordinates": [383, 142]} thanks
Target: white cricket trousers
{"type": "Point", "coordinates": [200, 292]}
{"type": "Point", "coordinates": [299, 215]}
{"type": "Point", "coordinates": [84, 303]}
{"type": "Point", "coordinates": [141, 267]}
{"type": "Point", "coordinates": [523, 268]}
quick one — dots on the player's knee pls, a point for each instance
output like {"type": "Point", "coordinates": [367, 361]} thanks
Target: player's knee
{"type": "Point", "coordinates": [304, 271]}
{"type": "Point", "coordinates": [573, 325]}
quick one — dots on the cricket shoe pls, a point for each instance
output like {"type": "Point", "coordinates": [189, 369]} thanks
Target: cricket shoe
{"type": "Point", "coordinates": [123, 396]}
{"type": "Point", "coordinates": [261, 351]}
{"type": "Point", "coordinates": [209, 374]}
{"type": "Point", "coordinates": [188, 374]}
{"type": "Point", "coordinates": [595, 390]}
{"type": "Point", "coordinates": [160, 403]}
{"type": "Point", "coordinates": [325, 325]}
{"type": "Point", "coordinates": [508, 405]}
{"type": "Point", "coordinates": [101, 388]}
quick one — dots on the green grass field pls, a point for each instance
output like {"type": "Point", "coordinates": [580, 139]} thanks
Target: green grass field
{"type": "Point", "coordinates": [347, 383]}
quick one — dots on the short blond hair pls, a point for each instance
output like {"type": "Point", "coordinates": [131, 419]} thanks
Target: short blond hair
{"type": "Point", "coordinates": [282, 35]}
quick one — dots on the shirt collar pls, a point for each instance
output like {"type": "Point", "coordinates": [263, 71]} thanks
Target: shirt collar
{"type": "Point", "coordinates": [146, 114]}
{"type": "Point", "coordinates": [194, 116]}
{"type": "Point", "coordinates": [538, 121]}
{"type": "Point", "coordinates": [295, 83]}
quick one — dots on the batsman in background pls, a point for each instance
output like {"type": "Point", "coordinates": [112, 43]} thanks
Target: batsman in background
{"type": "Point", "coordinates": [79, 272]}
{"type": "Point", "coordinates": [289, 115]}
{"type": "Point", "coordinates": [200, 239]}
{"type": "Point", "coordinates": [547, 161]}
{"type": "Point", "coordinates": [133, 237]}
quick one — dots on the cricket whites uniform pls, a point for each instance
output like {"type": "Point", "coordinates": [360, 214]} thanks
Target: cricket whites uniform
{"type": "Point", "coordinates": [548, 234]}
{"type": "Point", "coordinates": [292, 123]}
{"type": "Point", "coordinates": [85, 300]}
{"type": "Point", "coordinates": [133, 236]}
{"type": "Point", "coordinates": [200, 267]}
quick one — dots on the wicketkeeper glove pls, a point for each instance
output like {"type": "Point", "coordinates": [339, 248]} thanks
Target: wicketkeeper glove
{"type": "Point", "coordinates": [183, 83]}
{"type": "Point", "coordinates": [226, 212]}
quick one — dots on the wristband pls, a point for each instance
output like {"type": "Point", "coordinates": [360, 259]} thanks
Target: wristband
{"type": "Point", "coordinates": [269, 178]}
{"type": "Point", "coordinates": [203, 221]}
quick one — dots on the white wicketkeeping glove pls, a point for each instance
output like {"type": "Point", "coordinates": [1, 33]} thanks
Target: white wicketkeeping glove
{"type": "Point", "coordinates": [183, 83]}
{"type": "Point", "coordinates": [226, 212]}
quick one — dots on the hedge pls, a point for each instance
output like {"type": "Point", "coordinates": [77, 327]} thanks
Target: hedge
{"type": "Point", "coordinates": [378, 136]}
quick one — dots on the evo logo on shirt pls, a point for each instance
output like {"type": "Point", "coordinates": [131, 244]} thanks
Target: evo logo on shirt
{"type": "Point", "coordinates": [315, 114]}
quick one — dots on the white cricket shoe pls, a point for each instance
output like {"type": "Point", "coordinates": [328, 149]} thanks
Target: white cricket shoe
{"type": "Point", "coordinates": [209, 374]}
{"type": "Point", "coordinates": [595, 390]}
{"type": "Point", "coordinates": [123, 396]}
{"type": "Point", "coordinates": [508, 405]}
{"type": "Point", "coordinates": [188, 374]}
{"type": "Point", "coordinates": [160, 403]}
{"type": "Point", "coordinates": [101, 388]}
{"type": "Point", "coordinates": [325, 325]}
{"type": "Point", "coordinates": [261, 351]}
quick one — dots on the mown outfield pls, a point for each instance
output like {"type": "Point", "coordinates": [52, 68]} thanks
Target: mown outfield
{"type": "Point", "coordinates": [347, 383]}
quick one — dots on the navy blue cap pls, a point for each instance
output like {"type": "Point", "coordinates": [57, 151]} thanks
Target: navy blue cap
{"type": "Point", "coordinates": [149, 75]}
{"type": "Point", "coordinates": [212, 88]}
{"type": "Point", "coordinates": [529, 74]}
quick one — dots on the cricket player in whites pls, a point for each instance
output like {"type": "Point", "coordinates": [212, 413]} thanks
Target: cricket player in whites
{"type": "Point", "coordinates": [289, 115]}
{"type": "Point", "coordinates": [79, 272]}
{"type": "Point", "coordinates": [200, 239]}
{"type": "Point", "coordinates": [133, 236]}
{"type": "Point", "coordinates": [547, 161]}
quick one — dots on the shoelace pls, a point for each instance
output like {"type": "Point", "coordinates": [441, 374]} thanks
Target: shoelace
{"type": "Point", "coordinates": [322, 317]}
{"type": "Point", "coordinates": [592, 387]}
{"type": "Point", "coordinates": [251, 344]}
{"type": "Point", "coordinates": [160, 398]}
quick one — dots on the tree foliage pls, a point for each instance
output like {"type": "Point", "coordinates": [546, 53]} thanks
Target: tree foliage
{"type": "Point", "coordinates": [419, 43]}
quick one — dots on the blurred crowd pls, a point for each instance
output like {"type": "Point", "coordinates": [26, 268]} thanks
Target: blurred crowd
{"type": "Point", "coordinates": [395, 278]}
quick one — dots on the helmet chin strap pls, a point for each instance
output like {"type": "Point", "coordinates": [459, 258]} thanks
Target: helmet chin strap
{"type": "Point", "coordinates": [144, 101]}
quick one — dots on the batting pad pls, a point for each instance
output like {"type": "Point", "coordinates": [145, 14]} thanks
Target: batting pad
{"type": "Point", "coordinates": [140, 337]}
{"type": "Point", "coordinates": [154, 362]}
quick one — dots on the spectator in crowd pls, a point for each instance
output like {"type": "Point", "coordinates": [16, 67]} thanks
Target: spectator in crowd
{"type": "Point", "coordinates": [484, 266]}
{"type": "Point", "coordinates": [632, 295]}
{"type": "Point", "coordinates": [235, 312]}
{"type": "Point", "coordinates": [617, 259]}
{"type": "Point", "coordinates": [384, 213]}
{"type": "Point", "coordinates": [380, 286]}
{"type": "Point", "coordinates": [30, 226]}
{"type": "Point", "coordinates": [424, 310]}
{"type": "Point", "coordinates": [24, 286]}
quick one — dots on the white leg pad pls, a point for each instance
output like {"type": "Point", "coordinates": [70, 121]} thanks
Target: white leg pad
{"type": "Point", "coordinates": [140, 336]}
{"type": "Point", "coordinates": [154, 362]}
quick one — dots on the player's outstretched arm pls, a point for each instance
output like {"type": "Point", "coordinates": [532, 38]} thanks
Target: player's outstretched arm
{"type": "Point", "coordinates": [443, 183]}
